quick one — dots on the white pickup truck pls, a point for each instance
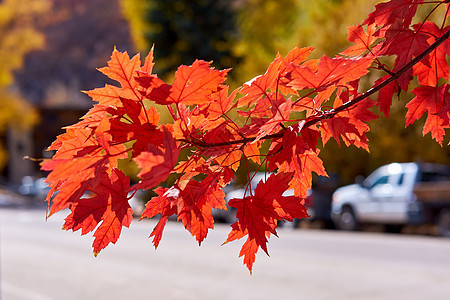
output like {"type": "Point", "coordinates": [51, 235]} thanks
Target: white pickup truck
{"type": "Point", "coordinates": [395, 195]}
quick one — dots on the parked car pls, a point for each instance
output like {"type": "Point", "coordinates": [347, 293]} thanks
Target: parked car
{"type": "Point", "coordinates": [232, 192]}
{"type": "Point", "coordinates": [395, 195]}
{"type": "Point", "coordinates": [137, 202]}
{"type": "Point", "coordinates": [37, 189]}
{"type": "Point", "coordinates": [34, 187]}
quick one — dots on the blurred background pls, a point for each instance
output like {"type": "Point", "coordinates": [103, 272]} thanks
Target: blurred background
{"type": "Point", "coordinates": [49, 52]}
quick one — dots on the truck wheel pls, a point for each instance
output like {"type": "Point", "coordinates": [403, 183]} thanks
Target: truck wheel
{"type": "Point", "coordinates": [347, 220]}
{"type": "Point", "coordinates": [443, 223]}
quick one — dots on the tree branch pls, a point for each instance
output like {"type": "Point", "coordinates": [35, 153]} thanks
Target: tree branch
{"type": "Point", "coordinates": [393, 77]}
{"type": "Point", "coordinates": [330, 113]}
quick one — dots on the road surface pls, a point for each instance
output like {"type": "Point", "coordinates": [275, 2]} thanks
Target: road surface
{"type": "Point", "coordinates": [39, 261]}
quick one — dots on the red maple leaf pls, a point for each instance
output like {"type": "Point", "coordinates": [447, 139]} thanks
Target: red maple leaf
{"type": "Point", "coordinates": [106, 212]}
{"type": "Point", "coordinates": [110, 95]}
{"type": "Point", "coordinates": [435, 66]}
{"type": "Point", "coordinates": [258, 214]}
{"type": "Point", "coordinates": [428, 98]}
{"type": "Point", "coordinates": [362, 39]}
{"type": "Point", "coordinates": [192, 84]}
{"type": "Point", "coordinates": [160, 205]}
{"type": "Point", "coordinates": [338, 127]}
{"type": "Point", "coordinates": [110, 114]}
{"type": "Point", "coordinates": [220, 103]}
{"type": "Point", "coordinates": [192, 204]}
{"type": "Point", "coordinates": [329, 72]}
{"type": "Point", "coordinates": [435, 101]}
{"type": "Point", "coordinates": [406, 44]}
{"type": "Point", "coordinates": [389, 12]}
{"type": "Point", "coordinates": [228, 154]}
{"type": "Point", "coordinates": [194, 209]}
{"type": "Point", "coordinates": [122, 69]}
{"type": "Point", "coordinates": [350, 124]}
{"type": "Point", "coordinates": [156, 164]}
{"type": "Point", "coordinates": [93, 117]}
{"type": "Point", "coordinates": [444, 114]}
{"type": "Point", "coordinates": [297, 154]}
{"type": "Point", "coordinates": [133, 122]}
{"type": "Point", "coordinates": [260, 86]}
{"type": "Point", "coordinates": [385, 95]}
{"type": "Point", "coordinates": [80, 157]}
{"type": "Point", "coordinates": [257, 88]}
{"type": "Point", "coordinates": [303, 165]}
{"type": "Point", "coordinates": [276, 114]}
{"type": "Point", "coordinates": [435, 126]}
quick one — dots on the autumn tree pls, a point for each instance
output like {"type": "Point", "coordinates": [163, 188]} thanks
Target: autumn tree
{"type": "Point", "coordinates": [18, 37]}
{"type": "Point", "coordinates": [285, 117]}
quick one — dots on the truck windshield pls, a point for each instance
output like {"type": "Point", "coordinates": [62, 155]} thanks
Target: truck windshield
{"type": "Point", "coordinates": [380, 180]}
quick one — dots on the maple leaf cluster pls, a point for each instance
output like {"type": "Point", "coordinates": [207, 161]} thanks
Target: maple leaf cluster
{"type": "Point", "coordinates": [295, 107]}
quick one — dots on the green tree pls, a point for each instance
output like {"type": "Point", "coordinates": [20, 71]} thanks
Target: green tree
{"type": "Point", "coordinates": [183, 31]}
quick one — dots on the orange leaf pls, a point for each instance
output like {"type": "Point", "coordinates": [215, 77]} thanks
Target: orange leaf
{"type": "Point", "coordinates": [80, 157]}
{"type": "Point", "coordinates": [428, 98]}
{"type": "Point", "coordinates": [121, 68]}
{"type": "Point", "coordinates": [387, 13]}
{"type": "Point", "coordinates": [258, 214]}
{"type": "Point", "coordinates": [259, 87]}
{"type": "Point", "coordinates": [435, 66]}
{"type": "Point", "coordinates": [192, 85]}
{"type": "Point", "coordinates": [363, 40]}
{"type": "Point", "coordinates": [220, 104]}
{"type": "Point", "coordinates": [329, 72]}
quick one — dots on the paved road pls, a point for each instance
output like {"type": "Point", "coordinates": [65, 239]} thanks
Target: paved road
{"type": "Point", "coordinates": [40, 262]}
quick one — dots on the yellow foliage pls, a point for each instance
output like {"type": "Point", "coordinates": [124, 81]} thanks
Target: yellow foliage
{"type": "Point", "coordinates": [134, 11]}
{"type": "Point", "coordinates": [265, 28]}
{"type": "Point", "coordinates": [323, 23]}
{"type": "Point", "coordinates": [271, 26]}
{"type": "Point", "coordinates": [16, 112]}
{"type": "Point", "coordinates": [18, 35]}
